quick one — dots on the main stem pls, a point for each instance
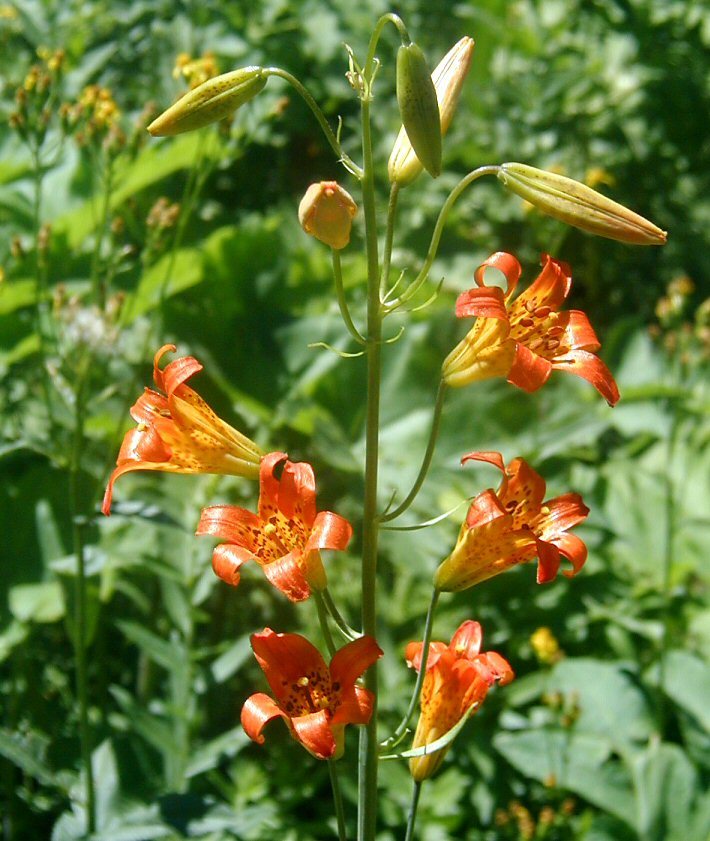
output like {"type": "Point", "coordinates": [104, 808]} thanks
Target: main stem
{"type": "Point", "coordinates": [79, 636]}
{"type": "Point", "coordinates": [367, 766]}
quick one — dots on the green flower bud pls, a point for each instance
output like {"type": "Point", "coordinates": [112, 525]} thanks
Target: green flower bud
{"type": "Point", "coordinates": [579, 205]}
{"type": "Point", "coordinates": [448, 78]}
{"type": "Point", "coordinates": [418, 107]}
{"type": "Point", "coordinates": [210, 102]}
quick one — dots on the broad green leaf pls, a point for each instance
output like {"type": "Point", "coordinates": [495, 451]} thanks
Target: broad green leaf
{"type": "Point", "coordinates": [42, 602]}
{"type": "Point", "coordinates": [28, 753]}
{"type": "Point", "coordinates": [686, 679]}
{"type": "Point", "coordinates": [208, 756]}
{"type": "Point", "coordinates": [164, 653]}
{"type": "Point", "coordinates": [16, 294]}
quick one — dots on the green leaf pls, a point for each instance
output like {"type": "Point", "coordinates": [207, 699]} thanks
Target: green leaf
{"type": "Point", "coordinates": [166, 654]}
{"type": "Point", "coordinates": [16, 294]}
{"type": "Point", "coordinates": [27, 752]}
{"type": "Point", "coordinates": [208, 756]}
{"type": "Point", "coordinates": [686, 680]}
{"type": "Point", "coordinates": [42, 602]}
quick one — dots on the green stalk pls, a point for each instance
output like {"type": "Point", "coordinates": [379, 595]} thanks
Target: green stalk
{"type": "Point", "coordinates": [79, 635]}
{"type": "Point", "coordinates": [426, 461]}
{"type": "Point", "coordinates": [368, 757]}
{"type": "Point", "coordinates": [416, 791]}
{"type": "Point", "coordinates": [332, 139]}
{"type": "Point", "coordinates": [401, 730]}
{"type": "Point", "coordinates": [345, 629]}
{"type": "Point", "coordinates": [337, 800]}
{"type": "Point", "coordinates": [323, 619]}
{"type": "Point", "coordinates": [389, 235]}
{"type": "Point", "coordinates": [451, 199]}
{"type": "Point", "coordinates": [342, 301]}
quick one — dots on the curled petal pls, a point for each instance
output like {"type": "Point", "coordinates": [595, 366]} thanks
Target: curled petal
{"type": "Point", "coordinates": [498, 666]}
{"type": "Point", "coordinates": [149, 405]}
{"type": "Point", "coordinates": [548, 563]}
{"type": "Point", "coordinates": [529, 371]}
{"type": "Point", "coordinates": [466, 641]}
{"type": "Point", "coordinates": [563, 512]}
{"type": "Point", "coordinates": [313, 731]}
{"type": "Point", "coordinates": [579, 333]}
{"type": "Point", "coordinates": [227, 560]}
{"type": "Point", "coordinates": [524, 486]}
{"type": "Point", "coordinates": [237, 525]}
{"type": "Point", "coordinates": [257, 712]}
{"type": "Point", "coordinates": [488, 456]}
{"type": "Point", "coordinates": [588, 366]}
{"type": "Point", "coordinates": [355, 707]}
{"type": "Point", "coordinates": [178, 372]}
{"type": "Point", "coordinates": [482, 301]}
{"type": "Point", "coordinates": [157, 370]}
{"type": "Point", "coordinates": [287, 574]}
{"type": "Point", "coordinates": [297, 492]}
{"type": "Point", "coordinates": [574, 549]}
{"type": "Point", "coordinates": [353, 659]}
{"type": "Point", "coordinates": [505, 263]}
{"type": "Point", "coordinates": [550, 287]}
{"type": "Point", "coordinates": [269, 484]}
{"type": "Point", "coordinates": [330, 531]}
{"type": "Point", "coordinates": [413, 654]}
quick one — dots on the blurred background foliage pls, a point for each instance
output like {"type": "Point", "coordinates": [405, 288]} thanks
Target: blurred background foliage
{"type": "Point", "coordinates": [112, 245]}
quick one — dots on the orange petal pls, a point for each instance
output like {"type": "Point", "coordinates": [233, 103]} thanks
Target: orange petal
{"type": "Point", "coordinates": [528, 371]}
{"type": "Point", "coordinates": [550, 287]}
{"type": "Point", "coordinates": [284, 658]}
{"type": "Point", "coordinates": [314, 733]}
{"type": "Point", "coordinates": [237, 525]}
{"type": "Point", "coordinates": [227, 560]}
{"type": "Point", "coordinates": [353, 659]}
{"type": "Point", "coordinates": [574, 549]}
{"type": "Point", "coordinates": [330, 531]}
{"type": "Point", "coordinates": [524, 486]}
{"type": "Point", "coordinates": [483, 301]}
{"type": "Point", "coordinates": [488, 456]}
{"type": "Point", "coordinates": [287, 574]}
{"type": "Point", "coordinates": [466, 641]}
{"type": "Point", "coordinates": [485, 507]}
{"type": "Point", "coordinates": [269, 484]}
{"type": "Point", "coordinates": [413, 654]}
{"type": "Point", "coordinates": [565, 512]}
{"type": "Point", "coordinates": [297, 492]}
{"type": "Point", "coordinates": [157, 371]}
{"type": "Point", "coordinates": [548, 561]}
{"type": "Point", "coordinates": [591, 368]}
{"type": "Point", "coordinates": [257, 712]}
{"type": "Point", "coordinates": [178, 372]}
{"type": "Point", "coordinates": [505, 263]}
{"type": "Point", "coordinates": [498, 666]}
{"type": "Point", "coordinates": [579, 333]}
{"type": "Point", "coordinates": [149, 405]}
{"type": "Point", "coordinates": [355, 707]}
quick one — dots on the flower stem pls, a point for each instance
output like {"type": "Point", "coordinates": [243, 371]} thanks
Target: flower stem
{"type": "Point", "coordinates": [303, 92]}
{"type": "Point", "coordinates": [426, 461]}
{"type": "Point", "coordinates": [389, 235]}
{"type": "Point", "coordinates": [399, 733]}
{"type": "Point", "coordinates": [342, 301]}
{"type": "Point", "coordinates": [416, 284]}
{"type": "Point", "coordinates": [368, 757]}
{"type": "Point", "coordinates": [345, 629]}
{"type": "Point", "coordinates": [79, 635]}
{"type": "Point", "coordinates": [323, 619]}
{"type": "Point", "coordinates": [337, 800]}
{"type": "Point", "coordinates": [416, 791]}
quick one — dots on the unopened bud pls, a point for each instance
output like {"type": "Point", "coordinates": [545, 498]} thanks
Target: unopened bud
{"type": "Point", "coordinates": [579, 205]}
{"type": "Point", "coordinates": [448, 78]}
{"type": "Point", "coordinates": [418, 107]}
{"type": "Point", "coordinates": [326, 212]}
{"type": "Point", "coordinates": [210, 102]}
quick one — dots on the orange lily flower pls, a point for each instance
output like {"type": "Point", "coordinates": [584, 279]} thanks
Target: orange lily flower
{"type": "Point", "coordinates": [284, 538]}
{"type": "Point", "coordinates": [178, 432]}
{"type": "Point", "coordinates": [315, 700]}
{"type": "Point", "coordinates": [513, 525]}
{"type": "Point", "coordinates": [527, 338]}
{"type": "Point", "coordinates": [457, 676]}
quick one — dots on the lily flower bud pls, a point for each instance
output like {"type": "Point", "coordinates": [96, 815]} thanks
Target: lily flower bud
{"type": "Point", "coordinates": [579, 205]}
{"type": "Point", "coordinates": [448, 78]}
{"type": "Point", "coordinates": [326, 212]}
{"type": "Point", "coordinates": [418, 107]}
{"type": "Point", "coordinates": [210, 102]}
